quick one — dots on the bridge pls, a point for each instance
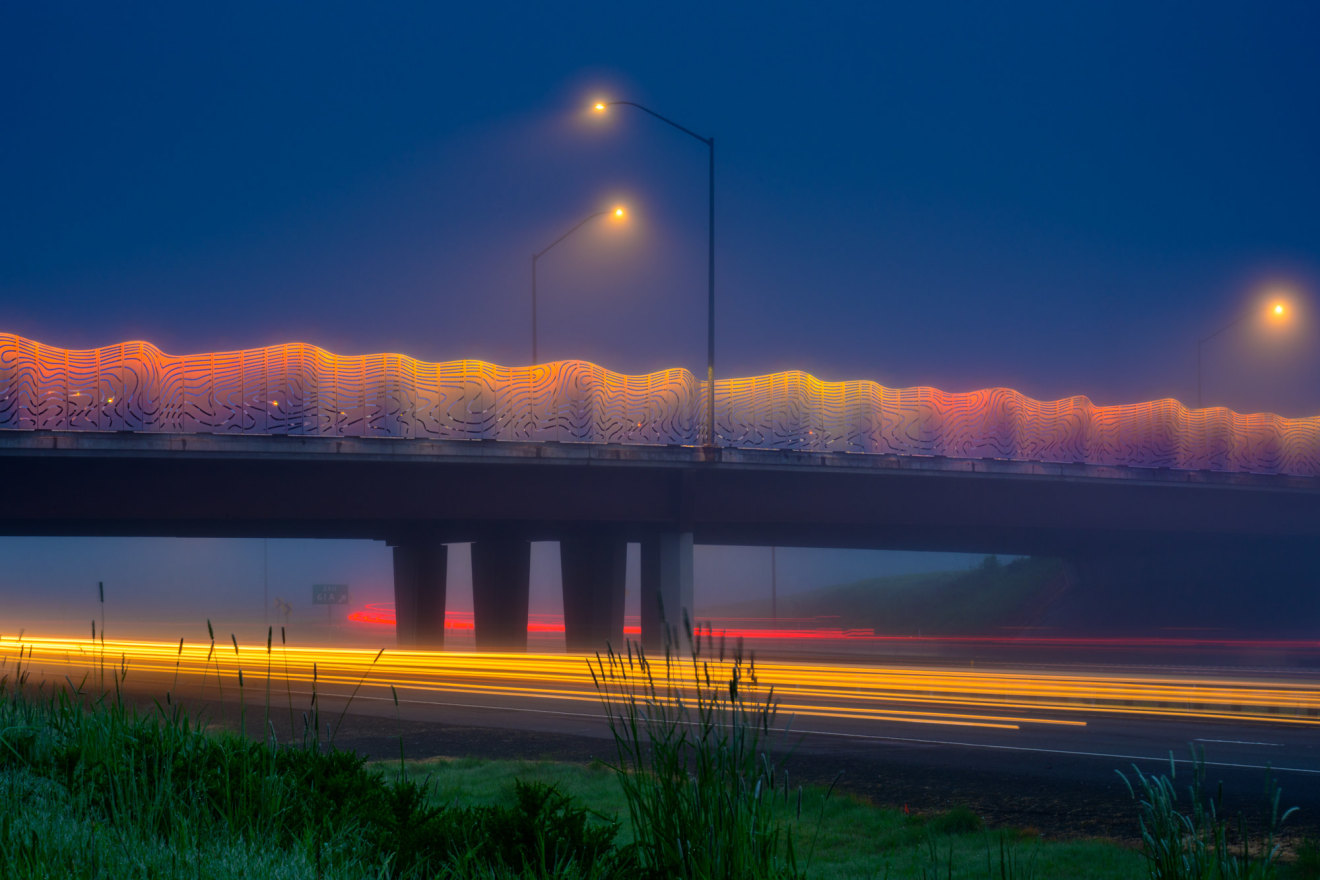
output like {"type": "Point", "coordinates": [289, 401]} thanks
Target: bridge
{"type": "Point", "coordinates": [293, 441]}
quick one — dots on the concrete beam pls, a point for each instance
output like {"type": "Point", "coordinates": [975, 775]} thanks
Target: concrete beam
{"type": "Point", "coordinates": [666, 586]}
{"type": "Point", "coordinates": [501, 573]}
{"type": "Point", "coordinates": [373, 488]}
{"type": "Point", "coordinates": [594, 567]}
{"type": "Point", "coordinates": [420, 568]}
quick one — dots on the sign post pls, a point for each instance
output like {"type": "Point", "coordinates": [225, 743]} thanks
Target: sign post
{"type": "Point", "coordinates": [328, 595]}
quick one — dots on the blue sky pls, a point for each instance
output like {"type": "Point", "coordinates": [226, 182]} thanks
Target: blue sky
{"type": "Point", "coordinates": [1058, 197]}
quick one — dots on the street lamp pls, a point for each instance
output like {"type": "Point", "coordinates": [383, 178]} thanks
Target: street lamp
{"type": "Point", "coordinates": [1276, 311]}
{"type": "Point", "coordinates": [617, 213]}
{"type": "Point", "coordinates": [603, 106]}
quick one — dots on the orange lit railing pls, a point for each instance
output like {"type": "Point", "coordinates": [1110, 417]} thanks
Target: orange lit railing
{"type": "Point", "coordinates": [303, 390]}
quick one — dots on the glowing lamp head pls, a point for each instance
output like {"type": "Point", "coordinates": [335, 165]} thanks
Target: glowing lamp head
{"type": "Point", "coordinates": [599, 106]}
{"type": "Point", "coordinates": [619, 212]}
{"type": "Point", "coordinates": [1279, 311]}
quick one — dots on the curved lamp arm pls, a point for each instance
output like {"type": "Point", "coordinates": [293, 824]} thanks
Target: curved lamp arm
{"type": "Point", "coordinates": [541, 253]}
{"type": "Point", "coordinates": [583, 222]}
{"type": "Point", "coordinates": [705, 140]}
{"type": "Point", "coordinates": [709, 439]}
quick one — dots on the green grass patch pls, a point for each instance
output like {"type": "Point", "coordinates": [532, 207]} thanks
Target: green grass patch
{"type": "Point", "coordinates": [853, 838]}
{"type": "Point", "coordinates": [1190, 838]}
{"type": "Point", "coordinates": [90, 788]}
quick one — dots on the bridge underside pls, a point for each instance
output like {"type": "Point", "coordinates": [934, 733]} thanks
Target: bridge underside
{"type": "Point", "coordinates": [421, 495]}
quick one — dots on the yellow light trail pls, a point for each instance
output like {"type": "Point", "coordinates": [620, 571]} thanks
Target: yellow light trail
{"type": "Point", "coordinates": [990, 698]}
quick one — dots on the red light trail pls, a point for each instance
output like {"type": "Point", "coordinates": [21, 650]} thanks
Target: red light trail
{"type": "Point", "coordinates": [811, 630]}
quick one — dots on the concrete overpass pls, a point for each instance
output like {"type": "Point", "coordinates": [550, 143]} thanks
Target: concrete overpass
{"type": "Point", "coordinates": [1147, 499]}
{"type": "Point", "coordinates": [1129, 530]}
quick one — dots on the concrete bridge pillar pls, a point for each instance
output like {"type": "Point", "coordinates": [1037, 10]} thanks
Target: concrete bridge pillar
{"type": "Point", "coordinates": [666, 586]}
{"type": "Point", "coordinates": [501, 572]}
{"type": "Point", "coordinates": [420, 567]}
{"type": "Point", "coordinates": [594, 567]}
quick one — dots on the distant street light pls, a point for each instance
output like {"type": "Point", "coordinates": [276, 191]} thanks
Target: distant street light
{"type": "Point", "coordinates": [618, 213]}
{"type": "Point", "coordinates": [603, 106]}
{"type": "Point", "coordinates": [1277, 310]}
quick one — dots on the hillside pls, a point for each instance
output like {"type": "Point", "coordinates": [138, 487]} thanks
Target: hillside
{"type": "Point", "coordinates": [983, 600]}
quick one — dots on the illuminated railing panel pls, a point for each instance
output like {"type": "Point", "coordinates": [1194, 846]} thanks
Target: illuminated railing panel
{"type": "Point", "coordinates": [303, 390]}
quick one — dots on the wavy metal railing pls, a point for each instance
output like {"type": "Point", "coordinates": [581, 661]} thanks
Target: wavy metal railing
{"type": "Point", "coordinates": [303, 390]}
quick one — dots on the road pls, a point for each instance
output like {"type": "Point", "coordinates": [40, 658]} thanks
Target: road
{"type": "Point", "coordinates": [909, 731]}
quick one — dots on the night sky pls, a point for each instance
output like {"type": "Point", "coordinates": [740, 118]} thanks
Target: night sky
{"type": "Point", "coordinates": [1058, 197]}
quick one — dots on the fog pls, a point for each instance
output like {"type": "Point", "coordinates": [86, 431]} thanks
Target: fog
{"type": "Point", "coordinates": [173, 586]}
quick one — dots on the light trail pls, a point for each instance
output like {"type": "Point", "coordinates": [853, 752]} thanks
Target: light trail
{"type": "Point", "coordinates": [983, 697]}
{"type": "Point", "coordinates": [382, 614]}
{"type": "Point", "coordinates": [826, 629]}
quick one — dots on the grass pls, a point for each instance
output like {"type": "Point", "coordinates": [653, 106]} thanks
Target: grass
{"type": "Point", "coordinates": [704, 797]}
{"type": "Point", "coordinates": [47, 831]}
{"type": "Point", "coordinates": [857, 839]}
{"type": "Point", "coordinates": [98, 792]}
{"type": "Point", "coordinates": [1307, 862]}
{"type": "Point", "coordinates": [1192, 839]}
{"type": "Point", "coordinates": [691, 739]}
{"type": "Point", "coordinates": [91, 788]}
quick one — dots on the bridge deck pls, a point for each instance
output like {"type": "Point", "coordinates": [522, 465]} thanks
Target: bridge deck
{"type": "Point", "coordinates": [237, 485]}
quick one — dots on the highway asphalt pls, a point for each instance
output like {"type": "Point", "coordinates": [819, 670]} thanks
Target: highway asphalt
{"type": "Point", "coordinates": [1034, 745]}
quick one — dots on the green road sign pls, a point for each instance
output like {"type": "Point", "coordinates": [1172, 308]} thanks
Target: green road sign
{"type": "Point", "coordinates": [329, 594]}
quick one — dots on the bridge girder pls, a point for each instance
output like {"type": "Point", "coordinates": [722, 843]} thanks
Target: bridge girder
{"type": "Point", "coordinates": [241, 486]}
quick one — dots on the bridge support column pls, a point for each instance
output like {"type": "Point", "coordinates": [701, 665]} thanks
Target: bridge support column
{"type": "Point", "coordinates": [501, 573]}
{"type": "Point", "coordinates": [594, 568]}
{"type": "Point", "coordinates": [419, 593]}
{"type": "Point", "coordinates": [666, 586]}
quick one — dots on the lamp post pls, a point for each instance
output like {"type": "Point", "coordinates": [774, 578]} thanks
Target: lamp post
{"type": "Point", "coordinates": [1277, 310]}
{"type": "Point", "coordinates": [601, 107]}
{"type": "Point", "coordinates": [615, 212]}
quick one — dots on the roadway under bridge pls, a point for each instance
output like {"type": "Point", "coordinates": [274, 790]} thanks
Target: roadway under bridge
{"type": "Point", "coordinates": [1132, 534]}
